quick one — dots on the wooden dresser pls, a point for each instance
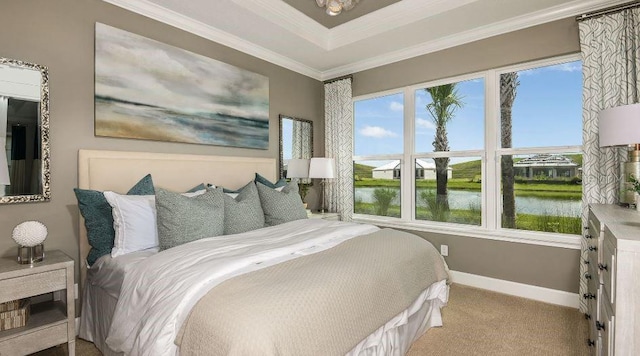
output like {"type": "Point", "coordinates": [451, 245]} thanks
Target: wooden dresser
{"type": "Point", "coordinates": [613, 276]}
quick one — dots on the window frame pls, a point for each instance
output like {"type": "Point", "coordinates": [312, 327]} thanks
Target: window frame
{"type": "Point", "coordinates": [491, 206]}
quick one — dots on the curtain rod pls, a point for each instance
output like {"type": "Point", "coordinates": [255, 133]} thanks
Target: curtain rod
{"type": "Point", "coordinates": [607, 10]}
{"type": "Point", "coordinates": [350, 76]}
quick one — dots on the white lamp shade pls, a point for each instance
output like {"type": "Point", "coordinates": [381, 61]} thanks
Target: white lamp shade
{"type": "Point", "coordinates": [322, 168]}
{"type": "Point", "coordinates": [4, 166]}
{"type": "Point", "coordinates": [298, 168]}
{"type": "Point", "coordinates": [619, 125]}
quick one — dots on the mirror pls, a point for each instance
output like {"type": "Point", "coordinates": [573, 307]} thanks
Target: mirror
{"type": "Point", "coordinates": [296, 140]}
{"type": "Point", "coordinates": [24, 132]}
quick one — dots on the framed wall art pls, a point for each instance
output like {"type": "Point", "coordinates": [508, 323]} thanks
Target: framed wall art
{"type": "Point", "coordinates": [148, 90]}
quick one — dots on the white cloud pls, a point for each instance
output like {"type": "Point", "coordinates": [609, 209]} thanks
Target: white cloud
{"type": "Point", "coordinates": [377, 132]}
{"type": "Point", "coordinates": [425, 124]}
{"type": "Point", "coordinates": [396, 106]}
{"type": "Point", "coordinates": [568, 67]}
{"type": "Point", "coordinates": [564, 67]}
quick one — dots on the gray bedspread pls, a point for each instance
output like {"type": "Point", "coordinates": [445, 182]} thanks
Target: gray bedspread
{"type": "Point", "coordinates": [321, 304]}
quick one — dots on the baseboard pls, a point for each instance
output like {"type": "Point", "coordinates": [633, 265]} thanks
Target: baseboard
{"type": "Point", "coordinates": [541, 294]}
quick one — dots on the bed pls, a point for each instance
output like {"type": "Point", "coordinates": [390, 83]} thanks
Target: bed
{"type": "Point", "coordinates": [306, 286]}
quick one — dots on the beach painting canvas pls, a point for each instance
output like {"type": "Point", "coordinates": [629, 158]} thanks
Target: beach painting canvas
{"type": "Point", "coordinates": [145, 89]}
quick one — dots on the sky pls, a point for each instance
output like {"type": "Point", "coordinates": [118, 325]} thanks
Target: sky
{"type": "Point", "coordinates": [547, 112]}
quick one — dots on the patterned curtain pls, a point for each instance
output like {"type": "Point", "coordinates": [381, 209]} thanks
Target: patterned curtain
{"type": "Point", "coordinates": [338, 136]}
{"type": "Point", "coordinates": [301, 140]}
{"type": "Point", "coordinates": [610, 65]}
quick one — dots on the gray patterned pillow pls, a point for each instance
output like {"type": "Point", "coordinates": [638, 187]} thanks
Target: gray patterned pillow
{"type": "Point", "coordinates": [281, 206]}
{"type": "Point", "coordinates": [183, 219]}
{"type": "Point", "coordinates": [244, 212]}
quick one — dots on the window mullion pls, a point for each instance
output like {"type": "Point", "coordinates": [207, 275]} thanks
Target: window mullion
{"type": "Point", "coordinates": [491, 171]}
{"type": "Point", "coordinates": [407, 184]}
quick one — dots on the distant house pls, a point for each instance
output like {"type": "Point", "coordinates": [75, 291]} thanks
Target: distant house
{"type": "Point", "coordinates": [391, 170]}
{"type": "Point", "coordinates": [546, 165]}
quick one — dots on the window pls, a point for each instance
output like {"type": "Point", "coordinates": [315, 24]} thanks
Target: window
{"type": "Point", "coordinates": [540, 138]}
{"type": "Point", "coordinates": [378, 145]}
{"type": "Point", "coordinates": [493, 151]}
{"type": "Point", "coordinates": [449, 122]}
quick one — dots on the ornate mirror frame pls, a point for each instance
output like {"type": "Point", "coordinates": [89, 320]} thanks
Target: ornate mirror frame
{"type": "Point", "coordinates": [43, 124]}
{"type": "Point", "coordinates": [281, 152]}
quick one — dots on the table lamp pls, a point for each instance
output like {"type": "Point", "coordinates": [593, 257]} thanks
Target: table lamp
{"type": "Point", "coordinates": [299, 168]}
{"type": "Point", "coordinates": [323, 168]}
{"type": "Point", "coordinates": [620, 126]}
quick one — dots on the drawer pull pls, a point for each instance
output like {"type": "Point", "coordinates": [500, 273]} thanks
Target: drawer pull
{"type": "Point", "coordinates": [602, 267]}
{"type": "Point", "coordinates": [586, 262]}
{"type": "Point", "coordinates": [587, 276]}
{"type": "Point", "coordinates": [593, 248]}
{"type": "Point", "coordinates": [586, 228]}
{"type": "Point", "coordinates": [588, 236]}
{"type": "Point", "coordinates": [589, 296]}
{"type": "Point", "coordinates": [591, 343]}
{"type": "Point", "coordinates": [587, 316]}
{"type": "Point", "coordinates": [599, 325]}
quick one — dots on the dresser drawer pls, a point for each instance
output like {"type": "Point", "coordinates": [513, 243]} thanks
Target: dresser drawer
{"type": "Point", "coordinates": [34, 341]}
{"type": "Point", "coordinates": [606, 327]}
{"type": "Point", "coordinates": [608, 266]}
{"type": "Point", "coordinates": [31, 285]}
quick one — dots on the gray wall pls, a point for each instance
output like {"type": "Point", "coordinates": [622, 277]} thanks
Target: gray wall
{"type": "Point", "coordinates": [549, 267]}
{"type": "Point", "coordinates": [60, 35]}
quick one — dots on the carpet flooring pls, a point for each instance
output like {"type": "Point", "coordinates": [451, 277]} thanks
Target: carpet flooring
{"type": "Point", "coordinates": [479, 322]}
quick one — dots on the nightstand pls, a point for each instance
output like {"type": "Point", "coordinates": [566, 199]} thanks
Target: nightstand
{"type": "Point", "coordinates": [50, 323]}
{"type": "Point", "coordinates": [325, 216]}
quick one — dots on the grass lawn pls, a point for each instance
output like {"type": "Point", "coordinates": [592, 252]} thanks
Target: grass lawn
{"type": "Point", "coordinates": [544, 223]}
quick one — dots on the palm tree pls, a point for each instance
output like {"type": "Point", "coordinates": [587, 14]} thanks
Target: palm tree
{"type": "Point", "coordinates": [508, 85]}
{"type": "Point", "coordinates": [444, 102]}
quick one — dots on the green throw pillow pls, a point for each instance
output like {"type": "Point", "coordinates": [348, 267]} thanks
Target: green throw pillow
{"type": "Point", "coordinates": [242, 212]}
{"type": "Point", "coordinates": [260, 179]}
{"type": "Point", "coordinates": [98, 219]}
{"type": "Point", "coordinates": [183, 219]}
{"type": "Point", "coordinates": [281, 206]}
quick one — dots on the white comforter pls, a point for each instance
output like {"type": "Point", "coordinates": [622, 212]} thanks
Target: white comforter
{"type": "Point", "coordinates": [157, 296]}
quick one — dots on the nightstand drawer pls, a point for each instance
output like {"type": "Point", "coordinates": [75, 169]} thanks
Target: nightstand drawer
{"type": "Point", "coordinates": [32, 342]}
{"type": "Point", "coordinates": [35, 284]}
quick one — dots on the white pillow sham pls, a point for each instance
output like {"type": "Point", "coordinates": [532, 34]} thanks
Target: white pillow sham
{"type": "Point", "coordinates": [134, 221]}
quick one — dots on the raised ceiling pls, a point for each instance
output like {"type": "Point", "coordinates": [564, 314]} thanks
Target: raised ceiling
{"type": "Point", "coordinates": [318, 14]}
{"type": "Point", "coordinates": [282, 34]}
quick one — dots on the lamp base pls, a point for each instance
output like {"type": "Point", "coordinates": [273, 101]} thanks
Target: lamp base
{"type": "Point", "coordinates": [630, 167]}
{"type": "Point", "coordinates": [30, 254]}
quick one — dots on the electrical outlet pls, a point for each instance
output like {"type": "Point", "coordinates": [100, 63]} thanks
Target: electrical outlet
{"type": "Point", "coordinates": [444, 250]}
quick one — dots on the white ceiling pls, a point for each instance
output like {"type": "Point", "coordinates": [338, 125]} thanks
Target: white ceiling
{"type": "Point", "coordinates": [277, 32]}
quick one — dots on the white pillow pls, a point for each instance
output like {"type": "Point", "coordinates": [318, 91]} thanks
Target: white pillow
{"type": "Point", "coordinates": [134, 221]}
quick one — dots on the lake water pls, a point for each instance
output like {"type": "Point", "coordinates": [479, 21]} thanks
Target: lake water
{"type": "Point", "coordinates": [464, 199]}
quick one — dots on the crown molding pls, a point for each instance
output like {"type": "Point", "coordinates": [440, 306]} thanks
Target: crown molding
{"type": "Point", "coordinates": [574, 8]}
{"type": "Point", "coordinates": [169, 17]}
{"type": "Point", "coordinates": [287, 17]}
{"type": "Point", "coordinates": [291, 19]}
{"type": "Point", "coordinates": [388, 18]}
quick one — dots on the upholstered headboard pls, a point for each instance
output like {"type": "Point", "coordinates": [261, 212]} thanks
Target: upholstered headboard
{"type": "Point", "coordinates": [118, 171]}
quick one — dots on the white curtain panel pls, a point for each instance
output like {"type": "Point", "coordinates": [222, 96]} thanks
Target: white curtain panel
{"type": "Point", "coordinates": [338, 138]}
{"type": "Point", "coordinates": [610, 65]}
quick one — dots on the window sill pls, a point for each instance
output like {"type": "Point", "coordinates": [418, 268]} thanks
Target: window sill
{"type": "Point", "coordinates": [518, 236]}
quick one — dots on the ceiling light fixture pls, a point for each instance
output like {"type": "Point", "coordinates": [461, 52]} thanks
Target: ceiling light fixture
{"type": "Point", "coordinates": [335, 7]}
